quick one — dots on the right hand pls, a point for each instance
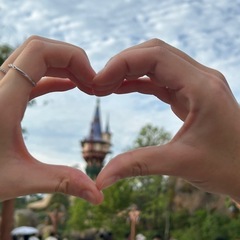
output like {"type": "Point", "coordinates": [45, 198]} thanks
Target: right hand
{"type": "Point", "coordinates": [206, 149]}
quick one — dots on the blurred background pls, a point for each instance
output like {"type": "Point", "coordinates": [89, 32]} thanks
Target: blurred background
{"type": "Point", "coordinates": [57, 123]}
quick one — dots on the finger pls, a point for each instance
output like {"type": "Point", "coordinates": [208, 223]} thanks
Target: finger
{"type": "Point", "coordinates": [40, 56]}
{"type": "Point", "coordinates": [36, 177]}
{"type": "Point", "coordinates": [19, 50]}
{"type": "Point", "coordinates": [157, 42]}
{"type": "Point", "coordinates": [145, 86]}
{"type": "Point", "coordinates": [3, 72]}
{"type": "Point", "coordinates": [157, 63]}
{"type": "Point", "coordinates": [51, 84]}
{"type": "Point", "coordinates": [85, 87]}
{"type": "Point", "coordinates": [37, 55]}
{"type": "Point", "coordinates": [68, 181]}
{"type": "Point", "coordinates": [35, 60]}
{"type": "Point", "coordinates": [13, 56]}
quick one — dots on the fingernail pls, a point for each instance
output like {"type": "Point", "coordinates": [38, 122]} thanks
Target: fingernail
{"type": "Point", "coordinates": [109, 181]}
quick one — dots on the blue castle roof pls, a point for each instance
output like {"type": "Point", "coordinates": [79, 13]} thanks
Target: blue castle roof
{"type": "Point", "coordinates": [96, 131]}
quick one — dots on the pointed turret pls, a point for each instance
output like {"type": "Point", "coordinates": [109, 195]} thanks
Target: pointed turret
{"type": "Point", "coordinates": [96, 145]}
{"type": "Point", "coordinates": [106, 136]}
{"type": "Point", "coordinates": [95, 130]}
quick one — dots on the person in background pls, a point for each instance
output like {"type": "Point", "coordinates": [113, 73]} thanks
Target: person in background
{"type": "Point", "coordinates": [33, 237]}
{"type": "Point", "coordinates": [157, 237]}
{"type": "Point", "coordinates": [52, 236]}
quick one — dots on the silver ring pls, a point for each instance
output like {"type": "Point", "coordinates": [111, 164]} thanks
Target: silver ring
{"type": "Point", "coordinates": [3, 70]}
{"type": "Point", "coordinates": [22, 73]}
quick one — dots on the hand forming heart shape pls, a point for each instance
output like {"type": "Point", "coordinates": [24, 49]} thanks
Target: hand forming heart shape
{"type": "Point", "coordinates": [205, 151]}
{"type": "Point", "coordinates": [21, 173]}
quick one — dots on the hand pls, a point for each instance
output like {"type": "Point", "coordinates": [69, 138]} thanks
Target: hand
{"type": "Point", "coordinates": [206, 150]}
{"type": "Point", "coordinates": [20, 173]}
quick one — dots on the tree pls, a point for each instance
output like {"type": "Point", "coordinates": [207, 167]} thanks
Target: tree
{"type": "Point", "coordinates": [111, 214]}
{"type": "Point", "coordinates": [154, 194]}
{"type": "Point", "coordinates": [5, 51]}
{"type": "Point", "coordinates": [57, 210]}
{"type": "Point", "coordinates": [151, 136]}
{"type": "Point", "coordinates": [148, 193]}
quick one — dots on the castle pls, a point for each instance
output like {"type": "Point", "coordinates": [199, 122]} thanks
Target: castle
{"type": "Point", "coordinates": [96, 145]}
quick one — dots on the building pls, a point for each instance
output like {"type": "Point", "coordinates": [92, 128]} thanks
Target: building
{"type": "Point", "coordinates": [96, 145]}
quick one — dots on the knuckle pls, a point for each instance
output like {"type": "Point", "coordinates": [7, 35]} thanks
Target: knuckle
{"type": "Point", "coordinates": [63, 186]}
{"type": "Point", "coordinates": [157, 42]}
{"type": "Point", "coordinates": [35, 44]}
{"type": "Point", "coordinates": [214, 81]}
{"type": "Point", "coordinates": [139, 167]}
{"type": "Point", "coordinates": [160, 54]}
{"type": "Point", "coordinates": [218, 87]}
{"type": "Point", "coordinates": [160, 50]}
{"type": "Point", "coordinates": [218, 75]}
{"type": "Point", "coordinates": [33, 37]}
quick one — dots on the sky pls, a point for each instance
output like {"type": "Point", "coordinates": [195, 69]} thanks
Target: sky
{"type": "Point", "coordinates": [206, 30]}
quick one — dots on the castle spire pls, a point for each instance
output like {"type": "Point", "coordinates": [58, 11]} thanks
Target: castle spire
{"type": "Point", "coordinates": [96, 131]}
{"type": "Point", "coordinates": [96, 146]}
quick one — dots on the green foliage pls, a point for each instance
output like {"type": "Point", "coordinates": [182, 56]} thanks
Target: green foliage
{"type": "Point", "coordinates": [79, 219]}
{"type": "Point", "coordinates": [150, 136]}
{"type": "Point", "coordinates": [83, 215]}
{"type": "Point", "coordinates": [148, 193]}
{"type": "Point", "coordinates": [204, 225]}
{"type": "Point", "coordinates": [154, 197]}
{"type": "Point", "coordinates": [5, 51]}
{"type": "Point", "coordinates": [233, 228]}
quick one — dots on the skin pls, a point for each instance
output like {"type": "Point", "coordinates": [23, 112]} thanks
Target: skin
{"type": "Point", "coordinates": [66, 66]}
{"type": "Point", "coordinates": [206, 149]}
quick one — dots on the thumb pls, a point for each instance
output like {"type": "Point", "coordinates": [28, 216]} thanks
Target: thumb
{"type": "Point", "coordinates": [37, 177]}
{"type": "Point", "coordinates": [51, 84]}
{"type": "Point", "coordinates": [140, 162]}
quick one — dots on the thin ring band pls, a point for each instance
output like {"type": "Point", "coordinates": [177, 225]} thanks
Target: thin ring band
{"type": "Point", "coordinates": [22, 73]}
{"type": "Point", "coordinates": [3, 70]}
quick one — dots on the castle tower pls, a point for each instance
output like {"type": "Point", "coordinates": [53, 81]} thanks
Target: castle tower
{"type": "Point", "coordinates": [96, 146]}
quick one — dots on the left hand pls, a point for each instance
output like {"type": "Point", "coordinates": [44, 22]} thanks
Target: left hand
{"type": "Point", "coordinates": [20, 173]}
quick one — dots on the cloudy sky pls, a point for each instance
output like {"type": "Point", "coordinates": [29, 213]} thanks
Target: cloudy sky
{"type": "Point", "coordinates": [205, 29]}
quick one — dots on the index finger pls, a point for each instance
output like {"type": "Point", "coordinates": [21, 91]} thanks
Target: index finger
{"type": "Point", "coordinates": [41, 57]}
{"type": "Point", "coordinates": [163, 66]}
{"type": "Point", "coordinates": [181, 54]}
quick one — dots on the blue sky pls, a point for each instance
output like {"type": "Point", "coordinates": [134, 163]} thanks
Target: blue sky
{"type": "Point", "coordinates": [206, 30]}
